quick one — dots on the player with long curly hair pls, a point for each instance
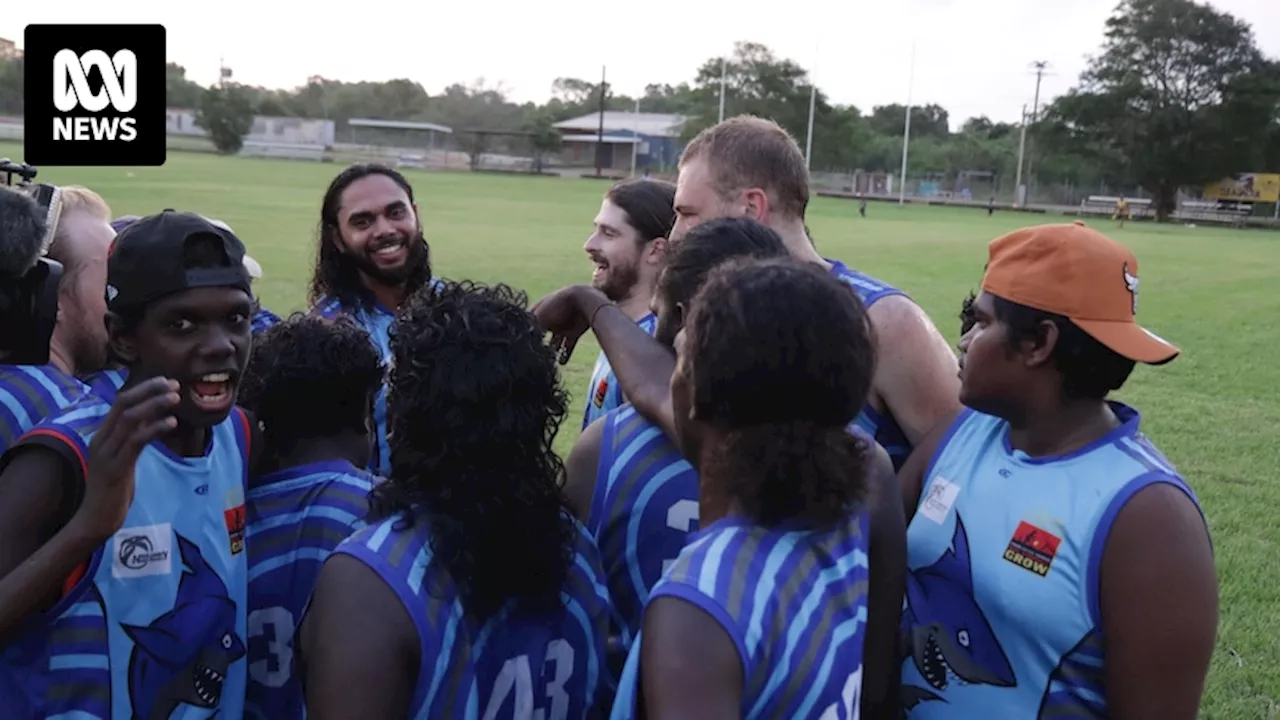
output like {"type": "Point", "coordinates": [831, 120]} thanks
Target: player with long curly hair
{"type": "Point", "coordinates": [475, 581]}
{"type": "Point", "coordinates": [372, 255]}
{"type": "Point", "coordinates": [786, 603]}
{"type": "Point", "coordinates": [311, 383]}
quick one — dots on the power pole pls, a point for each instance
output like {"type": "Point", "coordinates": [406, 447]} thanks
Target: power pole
{"type": "Point", "coordinates": [600, 133]}
{"type": "Point", "coordinates": [1039, 67]}
{"type": "Point", "coordinates": [724, 72]}
{"type": "Point", "coordinates": [1022, 146]}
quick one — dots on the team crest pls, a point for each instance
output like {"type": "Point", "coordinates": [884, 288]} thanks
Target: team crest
{"type": "Point", "coordinates": [1131, 284]}
{"type": "Point", "coordinates": [602, 390]}
{"type": "Point", "coordinates": [235, 521]}
{"type": "Point", "coordinates": [1032, 549]}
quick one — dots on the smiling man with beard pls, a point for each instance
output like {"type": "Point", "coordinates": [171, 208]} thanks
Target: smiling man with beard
{"type": "Point", "coordinates": [372, 256]}
{"type": "Point", "coordinates": [628, 248]}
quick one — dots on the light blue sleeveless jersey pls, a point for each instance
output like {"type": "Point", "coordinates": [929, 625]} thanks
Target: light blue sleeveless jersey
{"type": "Point", "coordinates": [1002, 611]}
{"type": "Point", "coordinates": [643, 509]}
{"type": "Point", "coordinates": [551, 664]}
{"type": "Point", "coordinates": [877, 425]}
{"type": "Point", "coordinates": [794, 602]}
{"type": "Point", "coordinates": [155, 625]}
{"type": "Point", "coordinates": [604, 393]}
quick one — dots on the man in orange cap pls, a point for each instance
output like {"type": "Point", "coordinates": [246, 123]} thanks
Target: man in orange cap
{"type": "Point", "coordinates": [1059, 564]}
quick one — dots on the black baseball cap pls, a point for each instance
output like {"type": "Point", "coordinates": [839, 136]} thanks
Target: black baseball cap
{"type": "Point", "coordinates": [148, 259]}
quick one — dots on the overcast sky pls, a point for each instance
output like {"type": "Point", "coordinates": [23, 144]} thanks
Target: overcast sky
{"type": "Point", "coordinates": [972, 56]}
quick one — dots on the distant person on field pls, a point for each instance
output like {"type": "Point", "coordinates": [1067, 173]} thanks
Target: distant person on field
{"type": "Point", "coordinates": [311, 382]}
{"type": "Point", "coordinates": [628, 247]}
{"type": "Point", "coordinates": [1060, 565]}
{"type": "Point", "coordinates": [862, 205]}
{"type": "Point", "coordinates": [991, 206]}
{"type": "Point", "coordinates": [78, 221]}
{"type": "Point", "coordinates": [751, 167]}
{"type": "Point", "coordinates": [371, 256]}
{"type": "Point", "coordinates": [1122, 210]}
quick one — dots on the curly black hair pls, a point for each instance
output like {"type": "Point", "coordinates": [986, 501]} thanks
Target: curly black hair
{"type": "Point", "coordinates": [335, 275]}
{"type": "Point", "coordinates": [785, 385]}
{"type": "Point", "coordinates": [310, 377]}
{"type": "Point", "coordinates": [473, 407]}
{"type": "Point", "coordinates": [968, 318]}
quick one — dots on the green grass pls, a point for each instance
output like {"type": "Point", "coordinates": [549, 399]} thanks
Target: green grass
{"type": "Point", "coordinates": [1215, 412]}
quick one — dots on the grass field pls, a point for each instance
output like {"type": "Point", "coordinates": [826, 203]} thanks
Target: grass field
{"type": "Point", "coordinates": [1215, 411]}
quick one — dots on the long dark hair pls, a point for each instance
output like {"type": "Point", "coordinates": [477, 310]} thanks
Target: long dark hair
{"type": "Point", "coordinates": [473, 408]}
{"type": "Point", "coordinates": [784, 385]}
{"type": "Point", "coordinates": [649, 205]}
{"type": "Point", "coordinates": [337, 276]}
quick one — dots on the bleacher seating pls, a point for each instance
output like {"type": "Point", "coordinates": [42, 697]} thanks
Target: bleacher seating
{"type": "Point", "coordinates": [1106, 205]}
{"type": "Point", "coordinates": [1213, 211]}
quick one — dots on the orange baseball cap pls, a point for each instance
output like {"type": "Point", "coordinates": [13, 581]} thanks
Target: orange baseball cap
{"type": "Point", "coordinates": [1075, 271]}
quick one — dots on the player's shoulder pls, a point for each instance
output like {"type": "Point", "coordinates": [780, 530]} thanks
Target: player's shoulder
{"type": "Point", "coordinates": [82, 416]}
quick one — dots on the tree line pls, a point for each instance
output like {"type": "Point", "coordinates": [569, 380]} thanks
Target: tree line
{"type": "Point", "coordinates": [1178, 95]}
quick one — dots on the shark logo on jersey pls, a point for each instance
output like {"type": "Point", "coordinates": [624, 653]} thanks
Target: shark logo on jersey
{"type": "Point", "coordinates": [182, 657]}
{"type": "Point", "coordinates": [944, 631]}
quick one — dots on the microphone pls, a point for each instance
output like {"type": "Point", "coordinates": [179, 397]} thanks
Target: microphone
{"type": "Point", "coordinates": [24, 233]}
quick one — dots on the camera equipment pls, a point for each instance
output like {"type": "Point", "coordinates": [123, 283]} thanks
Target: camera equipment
{"type": "Point", "coordinates": [28, 280]}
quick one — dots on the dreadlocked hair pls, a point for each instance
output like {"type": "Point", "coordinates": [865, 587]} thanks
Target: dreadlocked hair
{"type": "Point", "coordinates": [473, 407]}
{"type": "Point", "coordinates": [337, 277]}
{"type": "Point", "coordinates": [784, 387]}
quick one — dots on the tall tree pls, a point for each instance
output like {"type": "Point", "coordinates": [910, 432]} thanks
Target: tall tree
{"type": "Point", "coordinates": [1179, 96]}
{"type": "Point", "coordinates": [226, 113]}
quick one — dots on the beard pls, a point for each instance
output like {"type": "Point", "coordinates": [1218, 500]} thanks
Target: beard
{"type": "Point", "coordinates": [618, 282]}
{"type": "Point", "coordinates": [391, 277]}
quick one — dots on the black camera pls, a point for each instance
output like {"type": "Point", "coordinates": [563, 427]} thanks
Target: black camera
{"type": "Point", "coordinates": [28, 280]}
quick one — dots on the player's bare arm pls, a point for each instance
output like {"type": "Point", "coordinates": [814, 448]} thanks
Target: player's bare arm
{"type": "Point", "coordinates": [358, 645]}
{"type": "Point", "coordinates": [1159, 604]}
{"type": "Point", "coordinates": [689, 666]}
{"type": "Point", "coordinates": [911, 476]}
{"type": "Point", "coordinates": [582, 468]}
{"type": "Point", "coordinates": [916, 371]}
{"type": "Point", "coordinates": [887, 584]}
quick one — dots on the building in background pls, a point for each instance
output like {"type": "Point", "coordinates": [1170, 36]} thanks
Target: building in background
{"type": "Point", "coordinates": [655, 138]}
{"type": "Point", "coordinates": [9, 50]}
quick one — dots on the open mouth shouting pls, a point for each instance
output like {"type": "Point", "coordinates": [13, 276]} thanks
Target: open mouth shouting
{"type": "Point", "coordinates": [213, 392]}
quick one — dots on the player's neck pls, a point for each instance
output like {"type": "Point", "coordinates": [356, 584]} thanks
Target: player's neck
{"type": "Point", "coordinates": [60, 355]}
{"type": "Point", "coordinates": [636, 304]}
{"type": "Point", "coordinates": [313, 451]}
{"type": "Point", "coordinates": [796, 238]}
{"type": "Point", "coordinates": [388, 296]}
{"type": "Point", "coordinates": [187, 440]}
{"type": "Point", "coordinates": [1062, 429]}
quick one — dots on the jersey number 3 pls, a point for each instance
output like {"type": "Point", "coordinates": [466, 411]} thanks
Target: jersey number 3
{"type": "Point", "coordinates": [680, 516]}
{"type": "Point", "coordinates": [270, 646]}
{"type": "Point", "coordinates": [516, 675]}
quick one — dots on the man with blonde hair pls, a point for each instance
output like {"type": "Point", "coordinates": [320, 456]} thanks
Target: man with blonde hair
{"type": "Point", "coordinates": [78, 220]}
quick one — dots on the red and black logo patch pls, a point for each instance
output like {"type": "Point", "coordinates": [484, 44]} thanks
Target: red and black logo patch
{"type": "Point", "coordinates": [602, 389]}
{"type": "Point", "coordinates": [234, 518]}
{"type": "Point", "coordinates": [1032, 548]}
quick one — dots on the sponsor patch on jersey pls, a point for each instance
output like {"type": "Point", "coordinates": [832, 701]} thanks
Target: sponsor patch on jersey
{"type": "Point", "coordinates": [1032, 548]}
{"type": "Point", "coordinates": [235, 520]}
{"type": "Point", "coordinates": [602, 389]}
{"type": "Point", "coordinates": [141, 551]}
{"type": "Point", "coordinates": [938, 500]}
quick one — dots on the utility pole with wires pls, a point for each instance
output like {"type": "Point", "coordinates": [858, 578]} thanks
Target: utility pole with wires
{"type": "Point", "coordinates": [724, 71]}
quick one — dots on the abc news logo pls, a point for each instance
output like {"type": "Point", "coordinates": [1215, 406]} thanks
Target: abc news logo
{"type": "Point", "coordinates": [71, 90]}
{"type": "Point", "coordinates": [95, 95]}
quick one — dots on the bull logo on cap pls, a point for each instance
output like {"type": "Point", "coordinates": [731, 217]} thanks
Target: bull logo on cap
{"type": "Point", "coordinates": [1131, 284]}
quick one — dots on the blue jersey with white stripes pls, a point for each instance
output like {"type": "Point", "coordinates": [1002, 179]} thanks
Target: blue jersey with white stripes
{"type": "Point", "coordinates": [876, 424]}
{"type": "Point", "coordinates": [106, 384]}
{"type": "Point", "coordinates": [644, 507]}
{"type": "Point", "coordinates": [296, 517]}
{"type": "Point", "coordinates": [514, 664]}
{"type": "Point", "coordinates": [376, 321]}
{"type": "Point", "coordinates": [31, 393]}
{"type": "Point", "coordinates": [1002, 611]}
{"type": "Point", "coordinates": [262, 319]}
{"type": "Point", "coordinates": [604, 393]}
{"type": "Point", "coordinates": [794, 603]}
{"type": "Point", "coordinates": [153, 625]}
